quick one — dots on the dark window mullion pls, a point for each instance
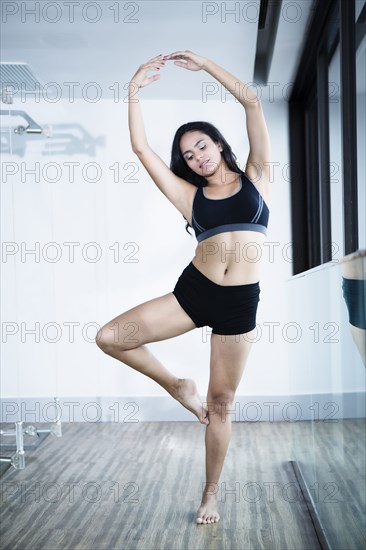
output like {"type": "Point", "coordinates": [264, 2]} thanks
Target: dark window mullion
{"type": "Point", "coordinates": [307, 207]}
{"type": "Point", "coordinates": [349, 132]}
{"type": "Point", "coordinates": [324, 161]}
{"type": "Point", "coordinates": [300, 237]}
{"type": "Point", "coordinates": [313, 210]}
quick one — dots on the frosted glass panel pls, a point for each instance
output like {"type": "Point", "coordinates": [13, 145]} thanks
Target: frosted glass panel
{"type": "Point", "coordinates": [329, 304]}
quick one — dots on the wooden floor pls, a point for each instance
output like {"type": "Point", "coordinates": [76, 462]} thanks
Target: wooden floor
{"type": "Point", "coordinates": [138, 486]}
{"type": "Point", "coordinates": [332, 459]}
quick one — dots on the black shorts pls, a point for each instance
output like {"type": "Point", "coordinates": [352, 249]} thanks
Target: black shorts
{"type": "Point", "coordinates": [228, 309]}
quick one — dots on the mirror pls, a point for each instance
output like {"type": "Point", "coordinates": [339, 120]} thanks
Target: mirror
{"type": "Point", "coordinates": [328, 379]}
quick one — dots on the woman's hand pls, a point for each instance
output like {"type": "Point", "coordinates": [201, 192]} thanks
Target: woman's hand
{"type": "Point", "coordinates": [192, 61]}
{"type": "Point", "coordinates": [140, 77]}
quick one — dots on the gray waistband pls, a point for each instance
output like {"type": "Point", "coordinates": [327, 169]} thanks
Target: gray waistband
{"type": "Point", "coordinates": [232, 227]}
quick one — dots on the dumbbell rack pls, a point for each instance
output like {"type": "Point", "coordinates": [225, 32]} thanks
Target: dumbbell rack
{"type": "Point", "coordinates": [18, 458]}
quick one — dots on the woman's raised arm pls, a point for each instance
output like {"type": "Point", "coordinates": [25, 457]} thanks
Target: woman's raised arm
{"type": "Point", "coordinates": [135, 122]}
{"type": "Point", "coordinates": [178, 191]}
{"type": "Point", "coordinates": [259, 161]}
{"type": "Point", "coordinates": [193, 62]}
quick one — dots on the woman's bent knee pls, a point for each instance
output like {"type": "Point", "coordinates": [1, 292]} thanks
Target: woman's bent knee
{"type": "Point", "coordinates": [108, 339]}
{"type": "Point", "coordinates": [157, 319]}
{"type": "Point", "coordinates": [101, 340]}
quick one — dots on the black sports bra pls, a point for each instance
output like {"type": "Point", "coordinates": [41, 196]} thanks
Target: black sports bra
{"type": "Point", "coordinates": [244, 211]}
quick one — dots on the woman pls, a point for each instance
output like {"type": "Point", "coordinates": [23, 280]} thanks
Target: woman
{"type": "Point", "coordinates": [220, 287]}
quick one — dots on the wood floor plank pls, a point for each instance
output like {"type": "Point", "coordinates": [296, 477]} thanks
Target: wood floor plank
{"type": "Point", "coordinates": [137, 486]}
{"type": "Point", "coordinates": [334, 465]}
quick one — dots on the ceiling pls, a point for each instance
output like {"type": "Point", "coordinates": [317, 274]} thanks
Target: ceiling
{"type": "Point", "coordinates": [72, 48]}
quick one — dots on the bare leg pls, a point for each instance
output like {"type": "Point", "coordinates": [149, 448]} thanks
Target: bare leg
{"type": "Point", "coordinates": [228, 359]}
{"type": "Point", "coordinates": [359, 338]}
{"type": "Point", "coordinates": [125, 336]}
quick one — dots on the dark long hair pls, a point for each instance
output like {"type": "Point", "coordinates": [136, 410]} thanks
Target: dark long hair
{"type": "Point", "coordinates": [178, 164]}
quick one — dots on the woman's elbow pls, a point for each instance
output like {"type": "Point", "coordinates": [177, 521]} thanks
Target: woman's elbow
{"type": "Point", "coordinates": [138, 149]}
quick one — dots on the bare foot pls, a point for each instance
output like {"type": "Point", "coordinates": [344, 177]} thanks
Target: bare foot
{"type": "Point", "coordinates": [207, 512]}
{"type": "Point", "coordinates": [188, 396]}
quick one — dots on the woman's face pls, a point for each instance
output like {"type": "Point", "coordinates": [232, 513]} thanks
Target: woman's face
{"type": "Point", "coordinates": [201, 154]}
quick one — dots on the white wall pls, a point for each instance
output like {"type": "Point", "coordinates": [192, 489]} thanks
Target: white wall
{"type": "Point", "coordinates": [107, 212]}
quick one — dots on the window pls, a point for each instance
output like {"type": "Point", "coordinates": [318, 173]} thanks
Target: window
{"type": "Point", "coordinates": [326, 133]}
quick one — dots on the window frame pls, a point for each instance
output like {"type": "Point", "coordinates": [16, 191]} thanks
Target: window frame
{"type": "Point", "coordinates": [332, 24]}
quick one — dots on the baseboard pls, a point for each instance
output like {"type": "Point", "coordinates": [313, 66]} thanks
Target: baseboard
{"type": "Point", "coordinates": [277, 408]}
